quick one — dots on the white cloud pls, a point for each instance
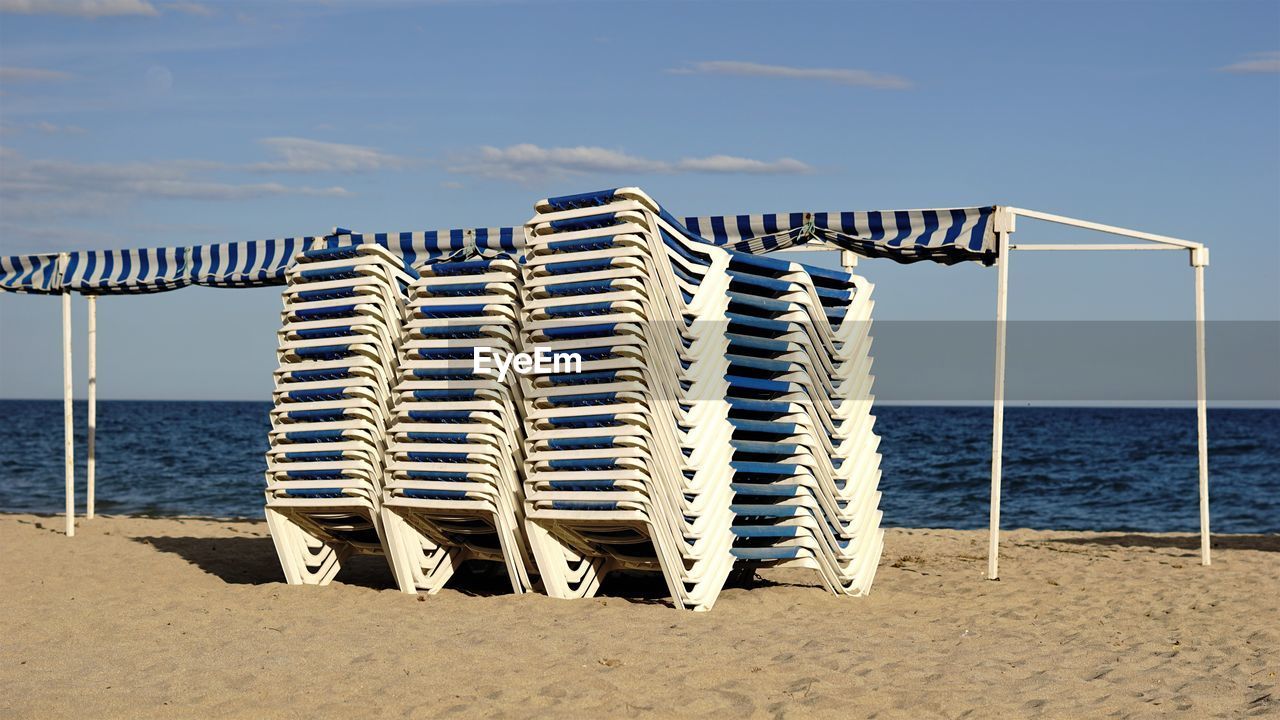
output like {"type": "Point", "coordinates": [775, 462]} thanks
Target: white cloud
{"type": "Point", "coordinates": [1263, 62]}
{"type": "Point", "coordinates": [741, 165]}
{"type": "Point", "coordinates": [300, 155]}
{"type": "Point", "coordinates": [79, 8]}
{"type": "Point", "coordinates": [195, 190]}
{"type": "Point", "coordinates": [43, 126]}
{"type": "Point", "coordinates": [840, 76]}
{"type": "Point", "coordinates": [40, 189]}
{"type": "Point", "coordinates": [526, 162]}
{"type": "Point", "coordinates": [51, 233]}
{"type": "Point", "coordinates": [49, 128]}
{"type": "Point", "coordinates": [191, 8]}
{"type": "Point", "coordinates": [18, 74]}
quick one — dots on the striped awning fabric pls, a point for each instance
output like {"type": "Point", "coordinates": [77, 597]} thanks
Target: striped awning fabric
{"type": "Point", "coordinates": [243, 264]}
{"type": "Point", "coordinates": [946, 236]}
{"type": "Point", "coordinates": [30, 273]}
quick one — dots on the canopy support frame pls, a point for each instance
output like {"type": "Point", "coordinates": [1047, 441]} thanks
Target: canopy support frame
{"type": "Point", "coordinates": [1006, 218]}
{"type": "Point", "coordinates": [92, 350]}
{"type": "Point", "coordinates": [1199, 260]}
{"type": "Point", "coordinates": [997, 405]}
{"type": "Point", "coordinates": [68, 419]}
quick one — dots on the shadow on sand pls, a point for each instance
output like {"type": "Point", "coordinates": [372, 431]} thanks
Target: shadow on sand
{"type": "Point", "coordinates": [252, 561]}
{"type": "Point", "coordinates": [1191, 543]}
{"type": "Point", "coordinates": [649, 588]}
{"type": "Point", "coordinates": [637, 588]}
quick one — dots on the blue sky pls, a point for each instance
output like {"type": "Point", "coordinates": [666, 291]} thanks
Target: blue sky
{"type": "Point", "coordinates": [132, 123]}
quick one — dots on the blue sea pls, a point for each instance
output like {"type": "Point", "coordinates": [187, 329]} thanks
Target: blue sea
{"type": "Point", "coordinates": [1065, 468]}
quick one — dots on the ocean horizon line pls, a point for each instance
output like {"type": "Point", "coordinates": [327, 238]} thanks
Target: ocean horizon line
{"type": "Point", "coordinates": [1074, 404]}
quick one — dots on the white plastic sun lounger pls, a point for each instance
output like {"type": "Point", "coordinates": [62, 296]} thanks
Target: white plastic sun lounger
{"type": "Point", "coordinates": [628, 458]}
{"type": "Point", "coordinates": [455, 444]}
{"type": "Point", "coordinates": [341, 327]}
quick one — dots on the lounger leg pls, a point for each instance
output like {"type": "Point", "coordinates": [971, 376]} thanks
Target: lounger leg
{"type": "Point", "coordinates": [393, 529]}
{"type": "Point", "coordinates": [283, 541]}
{"type": "Point", "coordinates": [304, 558]}
{"type": "Point", "coordinates": [564, 573]}
{"type": "Point", "coordinates": [418, 563]}
{"type": "Point", "coordinates": [511, 558]}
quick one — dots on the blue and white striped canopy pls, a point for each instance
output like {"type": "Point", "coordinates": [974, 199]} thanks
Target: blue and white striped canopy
{"type": "Point", "coordinates": [243, 264]}
{"type": "Point", "coordinates": [30, 273]}
{"type": "Point", "coordinates": [946, 236]}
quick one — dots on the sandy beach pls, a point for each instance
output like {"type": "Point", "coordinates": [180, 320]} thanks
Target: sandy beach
{"type": "Point", "coordinates": [172, 618]}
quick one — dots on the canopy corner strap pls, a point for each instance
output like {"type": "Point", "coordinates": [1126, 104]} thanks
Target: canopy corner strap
{"type": "Point", "coordinates": [979, 234]}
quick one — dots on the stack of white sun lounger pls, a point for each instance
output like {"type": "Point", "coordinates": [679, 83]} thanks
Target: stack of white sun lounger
{"type": "Point", "coordinates": [805, 465]}
{"type": "Point", "coordinates": [717, 417]}
{"type": "Point", "coordinates": [628, 459]}
{"type": "Point", "coordinates": [343, 312]}
{"type": "Point", "coordinates": [454, 445]}
{"type": "Point", "coordinates": [627, 466]}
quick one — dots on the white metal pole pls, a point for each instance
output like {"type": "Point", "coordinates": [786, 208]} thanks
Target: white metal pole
{"type": "Point", "coordinates": [1202, 410]}
{"type": "Point", "coordinates": [68, 426]}
{"type": "Point", "coordinates": [93, 400]}
{"type": "Point", "coordinates": [997, 422]}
